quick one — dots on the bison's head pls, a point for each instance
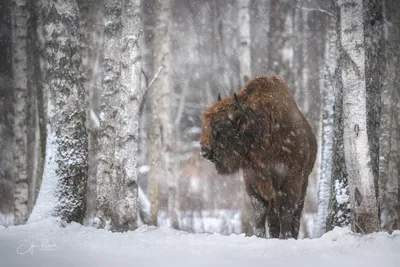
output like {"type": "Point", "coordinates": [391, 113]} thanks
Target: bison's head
{"type": "Point", "coordinates": [227, 134]}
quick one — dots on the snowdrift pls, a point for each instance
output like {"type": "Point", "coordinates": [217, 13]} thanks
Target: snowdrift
{"type": "Point", "coordinates": [47, 243]}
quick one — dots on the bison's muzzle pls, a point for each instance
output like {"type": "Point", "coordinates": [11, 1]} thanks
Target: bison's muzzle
{"type": "Point", "coordinates": [207, 153]}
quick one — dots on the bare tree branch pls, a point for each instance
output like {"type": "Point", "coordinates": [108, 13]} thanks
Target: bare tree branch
{"type": "Point", "coordinates": [148, 87]}
{"type": "Point", "coordinates": [318, 9]}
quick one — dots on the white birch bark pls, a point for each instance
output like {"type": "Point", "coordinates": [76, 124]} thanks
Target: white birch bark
{"type": "Point", "coordinates": [127, 150]}
{"type": "Point", "coordinates": [356, 146]}
{"type": "Point", "coordinates": [300, 58]}
{"type": "Point", "coordinates": [107, 181]}
{"type": "Point", "coordinates": [20, 16]}
{"type": "Point", "coordinates": [67, 132]}
{"type": "Point", "coordinates": [245, 75]}
{"type": "Point", "coordinates": [117, 203]}
{"type": "Point", "coordinates": [244, 41]}
{"type": "Point", "coordinates": [326, 147]}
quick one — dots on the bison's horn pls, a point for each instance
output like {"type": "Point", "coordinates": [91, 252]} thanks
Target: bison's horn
{"type": "Point", "coordinates": [239, 105]}
{"type": "Point", "coordinates": [219, 97]}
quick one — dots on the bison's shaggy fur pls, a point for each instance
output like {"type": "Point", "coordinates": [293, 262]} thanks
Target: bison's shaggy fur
{"type": "Point", "coordinates": [262, 131]}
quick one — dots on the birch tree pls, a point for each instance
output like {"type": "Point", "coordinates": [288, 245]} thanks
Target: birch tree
{"type": "Point", "coordinates": [244, 41]}
{"type": "Point", "coordinates": [245, 74]}
{"type": "Point", "coordinates": [356, 146]}
{"type": "Point", "coordinates": [20, 16]}
{"type": "Point", "coordinates": [6, 123]}
{"type": "Point", "coordinates": [27, 108]}
{"type": "Point", "coordinates": [161, 132]}
{"type": "Point", "coordinates": [389, 154]}
{"type": "Point", "coordinates": [65, 171]}
{"type": "Point", "coordinates": [119, 114]}
{"type": "Point", "coordinates": [339, 202]}
{"type": "Point", "coordinates": [91, 24]}
{"type": "Point", "coordinates": [373, 31]}
{"type": "Point", "coordinates": [328, 99]}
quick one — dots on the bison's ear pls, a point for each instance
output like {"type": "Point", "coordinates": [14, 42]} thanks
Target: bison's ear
{"type": "Point", "coordinates": [238, 104]}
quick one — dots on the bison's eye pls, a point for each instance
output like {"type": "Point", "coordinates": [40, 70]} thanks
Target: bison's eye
{"type": "Point", "coordinates": [215, 133]}
{"type": "Point", "coordinates": [235, 116]}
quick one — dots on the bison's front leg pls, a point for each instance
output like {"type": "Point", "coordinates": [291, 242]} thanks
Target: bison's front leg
{"type": "Point", "coordinates": [260, 212]}
{"type": "Point", "coordinates": [273, 222]}
{"type": "Point", "coordinates": [286, 219]}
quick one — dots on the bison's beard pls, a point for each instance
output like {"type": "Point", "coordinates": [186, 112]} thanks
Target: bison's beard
{"type": "Point", "coordinates": [225, 164]}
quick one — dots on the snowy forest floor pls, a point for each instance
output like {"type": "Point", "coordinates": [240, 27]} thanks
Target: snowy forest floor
{"type": "Point", "coordinates": [47, 243]}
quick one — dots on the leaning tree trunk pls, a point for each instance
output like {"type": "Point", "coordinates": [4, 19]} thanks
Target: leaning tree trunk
{"type": "Point", "coordinates": [119, 114]}
{"type": "Point", "coordinates": [356, 146]}
{"type": "Point", "coordinates": [65, 171]}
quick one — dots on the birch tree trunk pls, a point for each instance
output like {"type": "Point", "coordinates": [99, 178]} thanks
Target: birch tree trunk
{"type": "Point", "coordinates": [245, 75]}
{"type": "Point", "coordinates": [300, 57]}
{"type": "Point", "coordinates": [65, 171]}
{"type": "Point", "coordinates": [127, 150]}
{"type": "Point", "coordinates": [6, 123]}
{"type": "Point", "coordinates": [328, 99]}
{"type": "Point", "coordinates": [161, 132]}
{"type": "Point", "coordinates": [260, 17]}
{"type": "Point", "coordinates": [244, 41]}
{"type": "Point", "coordinates": [356, 145]}
{"type": "Point", "coordinates": [28, 153]}
{"type": "Point", "coordinates": [36, 120]}
{"type": "Point", "coordinates": [339, 202]}
{"type": "Point", "coordinates": [20, 16]}
{"type": "Point", "coordinates": [119, 114]}
{"type": "Point", "coordinates": [389, 154]}
{"type": "Point", "coordinates": [92, 54]}
{"type": "Point", "coordinates": [373, 28]}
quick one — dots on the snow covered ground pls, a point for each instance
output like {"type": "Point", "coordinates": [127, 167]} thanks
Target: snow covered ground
{"type": "Point", "coordinates": [46, 243]}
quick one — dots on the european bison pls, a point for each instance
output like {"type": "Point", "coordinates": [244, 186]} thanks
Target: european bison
{"type": "Point", "coordinates": [262, 131]}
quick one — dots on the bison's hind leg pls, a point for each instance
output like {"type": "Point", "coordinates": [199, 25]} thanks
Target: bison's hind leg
{"type": "Point", "coordinates": [287, 205]}
{"type": "Point", "coordinates": [298, 212]}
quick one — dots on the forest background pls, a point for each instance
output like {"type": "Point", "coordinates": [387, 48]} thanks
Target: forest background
{"type": "Point", "coordinates": [101, 104]}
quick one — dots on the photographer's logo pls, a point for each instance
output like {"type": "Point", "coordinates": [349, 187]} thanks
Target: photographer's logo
{"type": "Point", "coordinates": [27, 246]}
